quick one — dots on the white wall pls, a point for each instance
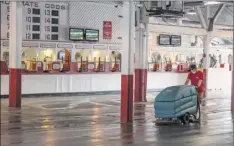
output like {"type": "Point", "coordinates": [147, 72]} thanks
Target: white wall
{"type": "Point", "coordinates": [219, 79]}
{"type": "Point", "coordinates": [91, 15]}
{"type": "Point", "coordinates": [32, 84]}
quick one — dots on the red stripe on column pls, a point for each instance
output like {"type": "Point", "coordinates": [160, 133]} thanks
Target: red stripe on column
{"type": "Point", "coordinates": [15, 87]}
{"type": "Point", "coordinates": [205, 81]}
{"type": "Point", "coordinates": [126, 98]}
{"type": "Point", "coordinates": [140, 85]}
{"type": "Point", "coordinates": [232, 96]}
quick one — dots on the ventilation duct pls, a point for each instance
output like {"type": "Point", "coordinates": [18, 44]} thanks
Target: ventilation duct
{"type": "Point", "coordinates": [195, 3]}
{"type": "Point", "coordinates": [195, 42]}
{"type": "Point", "coordinates": [168, 9]}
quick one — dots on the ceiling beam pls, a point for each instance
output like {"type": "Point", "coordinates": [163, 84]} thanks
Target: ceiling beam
{"type": "Point", "coordinates": [167, 29]}
{"type": "Point", "coordinates": [201, 17]}
{"type": "Point", "coordinates": [218, 12]}
{"type": "Point", "coordinates": [176, 30]}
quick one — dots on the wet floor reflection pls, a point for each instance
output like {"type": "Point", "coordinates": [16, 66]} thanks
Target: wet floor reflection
{"type": "Point", "coordinates": [127, 135]}
{"type": "Point", "coordinates": [97, 133]}
{"type": "Point", "coordinates": [97, 123]}
{"type": "Point", "coordinates": [46, 125]}
{"type": "Point", "coordinates": [14, 126]}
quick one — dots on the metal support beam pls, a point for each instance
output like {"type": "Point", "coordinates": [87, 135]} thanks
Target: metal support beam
{"type": "Point", "coordinates": [218, 12]}
{"type": "Point", "coordinates": [201, 17]}
{"type": "Point", "coordinates": [232, 88]}
{"type": "Point", "coordinates": [188, 31]}
{"type": "Point", "coordinates": [127, 69]}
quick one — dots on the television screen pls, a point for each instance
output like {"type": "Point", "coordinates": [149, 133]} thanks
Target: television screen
{"type": "Point", "coordinates": [175, 40]}
{"type": "Point", "coordinates": [91, 35]}
{"type": "Point", "coordinates": [164, 39]}
{"type": "Point", "coordinates": [76, 34]}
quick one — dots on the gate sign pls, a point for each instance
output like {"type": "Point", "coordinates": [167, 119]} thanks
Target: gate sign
{"type": "Point", "coordinates": [107, 29]}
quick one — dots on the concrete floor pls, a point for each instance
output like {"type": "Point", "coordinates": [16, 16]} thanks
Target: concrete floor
{"type": "Point", "coordinates": [94, 121]}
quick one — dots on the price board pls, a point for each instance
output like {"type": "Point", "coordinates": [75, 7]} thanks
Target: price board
{"type": "Point", "coordinates": [41, 20]}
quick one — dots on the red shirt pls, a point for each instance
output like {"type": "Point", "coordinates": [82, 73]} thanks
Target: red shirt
{"type": "Point", "coordinates": [195, 78]}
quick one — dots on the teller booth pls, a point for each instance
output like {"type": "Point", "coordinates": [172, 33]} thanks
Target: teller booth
{"type": "Point", "coordinates": [82, 59]}
{"type": "Point", "coordinates": [115, 61]}
{"type": "Point", "coordinates": [64, 60]}
{"type": "Point", "coordinates": [221, 61]}
{"type": "Point", "coordinates": [156, 62]}
{"type": "Point", "coordinates": [182, 62]}
{"type": "Point", "coordinates": [29, 60]}
{"type": "Point", "coordinates": [47, 56]}
{"type": "Point", "coordinates": [230, 62]}
{"type": "Point", "coordinates": [5, 61]}
{"type": "Point", "coordinates": [99, 59]}
{"type": "Point", "coordinates": [168, 59]}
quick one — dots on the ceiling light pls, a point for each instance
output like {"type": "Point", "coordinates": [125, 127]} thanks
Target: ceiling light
{"type": "Point", "coordinates": [191, 12]}
{"type": "Point", "coordinates": [212, 3]}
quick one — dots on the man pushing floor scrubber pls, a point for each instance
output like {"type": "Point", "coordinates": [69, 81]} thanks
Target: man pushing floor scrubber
{"type": "Point", "coordinates": [196, 78]}
{"type": "Point", "coordinates": [181, 102]}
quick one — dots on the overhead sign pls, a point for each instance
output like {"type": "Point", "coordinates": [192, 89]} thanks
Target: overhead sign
{"type": "Point", "coordinates": [114, 47]}
{"type": "Point", "coordinates": [48, 45]}
{"type": "Point", "coordinates": [83, 46]}
{"type": "Point", "coordinates": [100, 47]}
{"type": "Point", "coordinates": [64, 45]}
{"type": "Point", "coordinates": [107, 29]}
{"type": "Point", "coordinates": [30, 44]}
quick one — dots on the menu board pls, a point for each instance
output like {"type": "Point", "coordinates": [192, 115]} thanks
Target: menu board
{"type": "Point", "coordinates": [91, 35]}
{"type": "Point", "coordinates": [41, 20]}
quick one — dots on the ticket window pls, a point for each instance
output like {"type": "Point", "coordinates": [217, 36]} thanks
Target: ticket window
{"type": "Point", "coordinates": [47, 57]}
{"type": "Point", "coordinates": [180, 61]}
{"type": "Point", "coordinates": [99, 59]}
{"type": "Point", "coordinates": [168, 63]}
{"type": "Point", "coordinates": [5, 61]}
{"type": "Point", "coordinates": [156, 60]}
{"type": "Point", "coordinates": [115, 61]}
{"type": "Point", "coordinates": [213, 60]}
{"type": "Point", "coordinates": [82, 59]}
{"type": "Point", "coordinates": [221, 61]}
{"type": "Point", "coordinates": [230, 59]}
{"type": "Point", "coordinates": [65, 59]}
{"type": "Point", "coordinates": [230, 62]}
{"type": "Point", "coordinates": [191, 60]}
{"type": "Point", "coordinates": [29, 56]}
{"type": "Point", "coordinates": [180, 58]}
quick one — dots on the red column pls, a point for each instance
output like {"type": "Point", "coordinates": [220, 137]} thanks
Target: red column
{"type": "Point", "coordinates": [15, 47]}
{"type": "Point", "coordinates": [232, 96]}
{"type": "Point", "coordinates": [15, 87]}
{"type": "Point", "coordinates": [126, 98]}
{"type": "Point", "coordinates": [140, 85]}
{"type": "Point", "coordinates": [127, 26]}
{"type": "Point", "coordinates": [141, 52]}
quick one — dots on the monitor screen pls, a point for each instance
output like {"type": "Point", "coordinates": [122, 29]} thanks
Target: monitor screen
{"type": "Point", "coordinates": [176, 40]}
{"type": "Point", "coordinates": [91, 35]}
{"type": "Point", "coordinates": [164, 39]}
{"type": "Point", "coordinates": [76, 34]}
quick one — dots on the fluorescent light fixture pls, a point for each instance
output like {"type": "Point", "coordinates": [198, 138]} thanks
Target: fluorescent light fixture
{"type": "Point", "coordinates": [212, 3]}
{"type": "Point", "coordinates": [191, 13]}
